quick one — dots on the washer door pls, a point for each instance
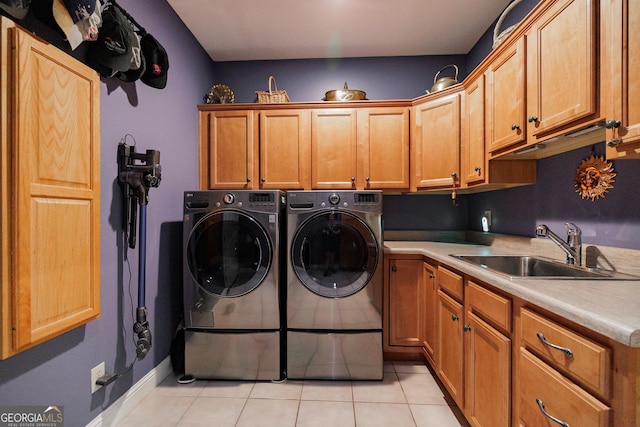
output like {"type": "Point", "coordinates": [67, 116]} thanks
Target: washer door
{"type": "Point", "coordinates": [334, 254]}
{"type": "Point", "coordinates": [228, 253]}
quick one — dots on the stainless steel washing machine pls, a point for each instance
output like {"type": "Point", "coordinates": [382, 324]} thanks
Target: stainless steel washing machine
{"type": "Point", "coordinates": [232, 282]}
{"type": "Point", "coordinates": [334, 285]}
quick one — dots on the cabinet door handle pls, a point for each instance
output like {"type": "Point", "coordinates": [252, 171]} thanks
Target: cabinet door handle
{"type": "Point", "coordinates": [431, 276]}
{"type": "Point", "coordinates": [612, 124]}
{"type": "Point", "coordinates": [394, 269]}
{"type": "Point", "coordinates": [548, 415]}
{"type": "Point", "coordinates": [515, 127]}
{"type": "Point", "coordinates": [264, 179]}
{"type": "Point", "coordinates": [565, 350]}
{"type": "Point", "coordinates": [353, 179]}
{"type": "Point", "coordinates": [248, 179]}
{"type": "Point", "coordinates": [454, 317]}
{"type": "Point", "coordinates": [477, 169]}
{"type": "Point", "coordinates": [533, 119]}
{"type": "Point", "coordinates": [367, 179]}
{"type": "Point", "coordinates": [466, 328]}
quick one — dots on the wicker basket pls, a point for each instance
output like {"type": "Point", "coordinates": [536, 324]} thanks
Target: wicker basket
{"type": "Point", "coordinates": [499, 38]}
{"type": "Point", "coordinates": [273, 96]}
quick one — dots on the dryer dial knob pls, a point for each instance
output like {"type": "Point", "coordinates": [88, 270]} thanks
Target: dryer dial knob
{"type": "Point", "coordinates": [228, 198]}
{"type": "Point", "coordinates": [334, 199]}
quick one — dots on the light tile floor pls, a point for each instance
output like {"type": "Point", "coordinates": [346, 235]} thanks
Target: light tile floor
{"type": "Point", "coordinates": [407, 396]}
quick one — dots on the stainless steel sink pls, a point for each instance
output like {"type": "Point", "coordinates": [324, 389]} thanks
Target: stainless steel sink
{"type": "Point", "coordinates": [532, 267]}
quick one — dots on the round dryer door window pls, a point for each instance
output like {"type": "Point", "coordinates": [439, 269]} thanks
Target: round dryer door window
{"type": "Point", "coordinates": [334, 254]}
{"type": "Point", "coordinates": [229, 253]}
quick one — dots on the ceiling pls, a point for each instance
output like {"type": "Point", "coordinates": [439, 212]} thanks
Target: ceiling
{"type": "Point", "coordinates": [244, 30]}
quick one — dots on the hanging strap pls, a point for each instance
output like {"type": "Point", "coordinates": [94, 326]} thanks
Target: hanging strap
{"type": "Point", "coordinates": [141, 31]}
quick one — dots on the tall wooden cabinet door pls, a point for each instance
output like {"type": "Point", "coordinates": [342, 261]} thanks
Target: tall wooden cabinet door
{"type": "Point", "coordinates": [285, 155]}
{"type": "Point", "coordinates": [383, 148]}
{"type": "Point", "coordinates": [505, 99]}
{"type": "Point", "coordinates": [56, 197]}
{"type": "Point", "coordinates": [437, 143]}
{"type": "Point", "coordinates": [487, 375]}
{"type": "Point", "coordinates": [562, 66]}
{"type": "Point", "coordinates": [405, 302]}
{"type": "Point", "coordinates": [228, 150]}
{"type": "Point", "coordinates": [429, 323]}
{"type": "Point", "coordinates": [449, 352]}
{"type": "Point", "coordinates": [333, 148]}
{"type": "Point", "coordinates": [621, 77]}
{"type": "Point", "coordinates": [473, 149]}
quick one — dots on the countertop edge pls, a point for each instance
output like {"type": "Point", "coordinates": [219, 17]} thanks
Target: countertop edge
{"type": "Point", "coordinates": [556, 296]}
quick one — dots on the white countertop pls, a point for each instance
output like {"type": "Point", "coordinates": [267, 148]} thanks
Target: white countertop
{"type": "Point", "coordinates": [609, 307]}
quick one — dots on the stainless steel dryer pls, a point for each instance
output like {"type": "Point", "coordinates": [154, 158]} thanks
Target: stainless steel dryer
{"type": "Point", "coordinates": [233, 325]}
{"type": "Point", "coordinates": [334, 285]}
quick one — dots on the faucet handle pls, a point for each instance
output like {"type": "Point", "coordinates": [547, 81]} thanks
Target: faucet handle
{"type": "Point", "coordinates": [573, 230]}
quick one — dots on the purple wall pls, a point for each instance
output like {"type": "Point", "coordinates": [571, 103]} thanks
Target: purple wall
{"type": "Point", "coordinates": [611, 221]}
{"type": "Point", "coordinates": [57, 372]}
{"type": "Point", "coordinates": [307, 80]}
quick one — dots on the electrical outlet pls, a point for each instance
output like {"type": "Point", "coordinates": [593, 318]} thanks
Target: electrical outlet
{"type": "Point", "coordinates": [96, 373]}
{"type": "Point", "coordinates": [487, 214]}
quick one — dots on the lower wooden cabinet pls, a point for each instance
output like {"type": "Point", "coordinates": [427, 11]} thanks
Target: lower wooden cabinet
{"type": "Point", "coordinates": [504, 362]}
{"type": "Point", "coordinates": [487, 374]}
{"type": "Point", "coordinates": [450, 345]}
{"type": "Point", "coordinates": [404, 303]}
{"type": "Point", "coordinates": [429, 320]}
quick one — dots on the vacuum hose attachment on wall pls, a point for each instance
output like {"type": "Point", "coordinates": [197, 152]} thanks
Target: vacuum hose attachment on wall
{"type": "Point", "coordinates": [136, 174]}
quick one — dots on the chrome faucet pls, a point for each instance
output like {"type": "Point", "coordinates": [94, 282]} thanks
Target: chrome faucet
{"type": "Point", "coordinates": [573, 245]}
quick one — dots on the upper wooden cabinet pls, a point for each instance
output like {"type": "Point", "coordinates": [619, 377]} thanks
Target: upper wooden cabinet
{"type": "Point", "coordinates": [505, 98]}
{"type": "Point", "coordinates": [562, 68]}
{"type": "Point", "coordinates": [334, 159]}
{"type": "Point", "coordinates": [383, 148]}
{"type": "Point", "coordinates": [285, 162]}
{"type": "Point", "coordinates": [542, 84]}
{"type": "Point", "coordinates": [435, 141]}
{"type": "Point", "coordinates": [305, 146]}
{"type": "Point", "coordinates": [250, 149]}
{"type": "Point", "coordinates": [228, 150]}
{"type": "Point", "coordinates": [621, 77]}
{"type": "Point", "coordinates": [50, 185]}
{"type": "Point", "coordinates": [473, 155]}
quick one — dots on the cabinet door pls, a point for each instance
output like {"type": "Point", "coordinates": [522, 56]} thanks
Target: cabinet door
{"type": "Point", "coordinates": [505, 100]}
{"type": "Point", "coordinates": [621, 77]}
{"type": "Point", "coordinates": [450, 346]}
{"type": "Point", "coordinates": [473, 148]}
{"type": "Point", "coordinates": [405, 302]}
{"type": "Point", "coordinates": [437, 143]}
{"type": "Point", "coordinates": [285, 157]}
{"type": "Point", "coordinates": [55, 193]}
{"type": "Point", "coordinates": [430, 311]}
{"type": "Point", "coordinates": [561, 66]}
{"type": "Point", "coordinates": [487, 374]}
{"type": "Point", "coordinates": [228, 150]}
{"type": "Point", "coordinates": [383, 148]}
{"type": "Point", "coordinates": [333, 148]}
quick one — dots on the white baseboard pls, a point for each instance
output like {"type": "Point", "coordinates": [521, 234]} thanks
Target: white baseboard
{"type": "Point", "coordinates": [125, 404]}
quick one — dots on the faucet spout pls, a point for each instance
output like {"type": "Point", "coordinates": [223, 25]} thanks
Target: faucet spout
{"type": "Point", "coordinates": [572, 247]}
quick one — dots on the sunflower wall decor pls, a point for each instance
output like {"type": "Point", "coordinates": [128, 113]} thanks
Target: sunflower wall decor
{"type": "Point", "coordinates": [594, 177]}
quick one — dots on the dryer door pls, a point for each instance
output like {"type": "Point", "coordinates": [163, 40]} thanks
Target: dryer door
{"type": "Point", "coordinates": [334, 254]}
{"type": "Point", "coordinates": [228, 253]}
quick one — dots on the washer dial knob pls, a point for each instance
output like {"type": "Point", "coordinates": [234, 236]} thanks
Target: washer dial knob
{"type": "Point", "coordinates": [228, 198]}
{"type": "Point", "coordinates": [334, 199]}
